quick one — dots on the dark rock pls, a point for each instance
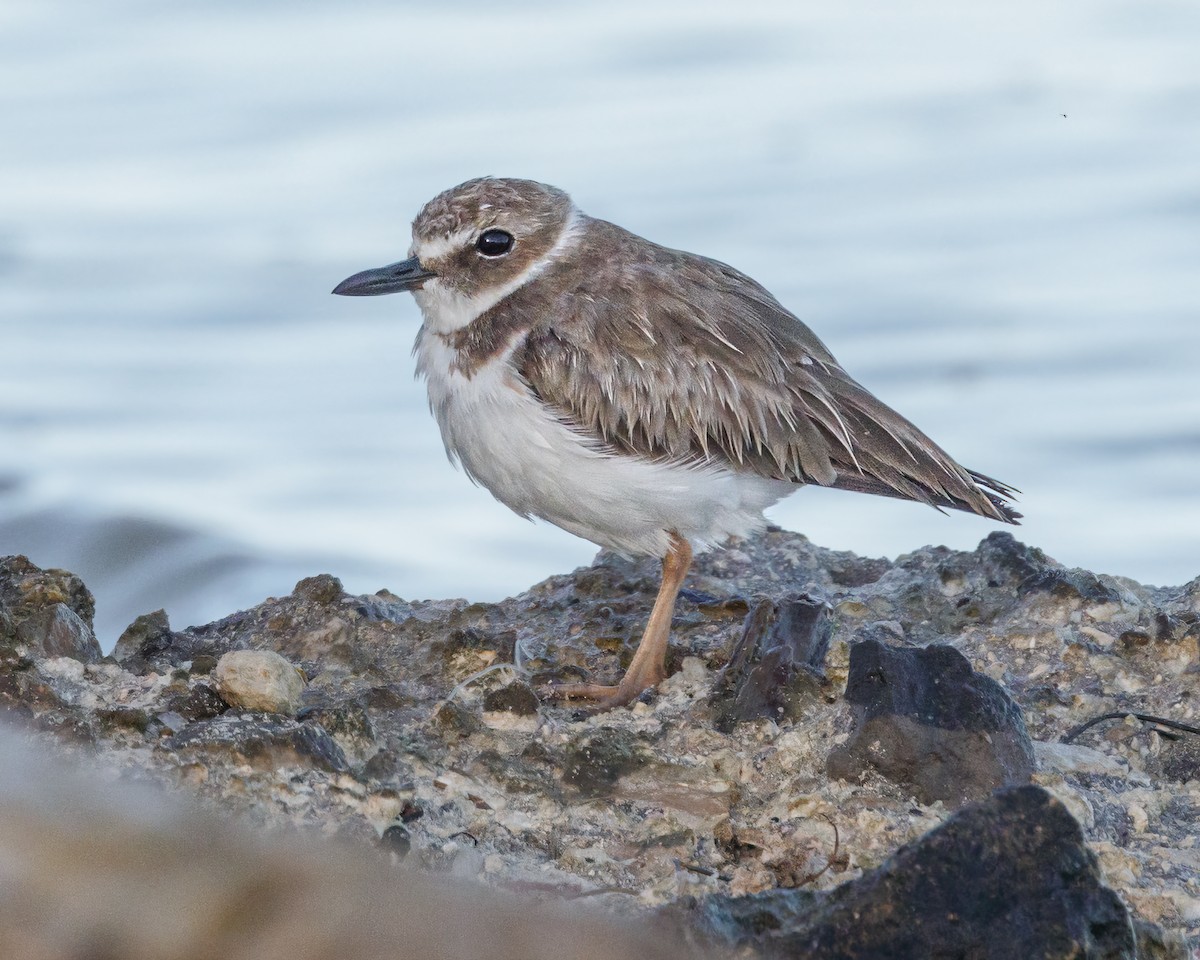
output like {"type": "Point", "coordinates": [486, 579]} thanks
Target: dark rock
{"type": "Point", "coordinates": [453, 716]}
{"type": "Point", "coordinates": [517, 698]}
{"type": "Point", "coordinates": [410, 812]}
{"type": "Point", "coordinates": [1070, 584]}
{"type": "Point", "coordinates": [202, 664]}
{"type": "Point", "coordinates": [320, 589]}
{"type": "Point", "coordinates": [386, 767]}
{"type": "Point", "coordinates": [1007, 879]}
{"type": "Point", "coordinates": [775, 668]}
{"type": "Point", "coordinates": [1180, 759]}
{"type": "Point", "coordinates": [264, 740]}
{"type": "Point", "coordinates": [348, 723]}
{"type": "Point", "coordinates": [594, 764]}
{"type": "Point", "coordinates": [131, 717]}
{"type": "Point", "coordinates": [396, 839]}
{"type": "Point", "coordinates": [201, 702]}
{"type": "Point", "coordinates": [1006, 562]}
{"type": "Point", "coordinates": [926, 721]}
{"type": "Point", "coordinates": [147, 636]}
{"type": "Point", "coordinates": [26, 588]}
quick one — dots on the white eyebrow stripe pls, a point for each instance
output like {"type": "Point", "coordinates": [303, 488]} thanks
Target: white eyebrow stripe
{"type": "Point", "coordinates": [439, 247]}
{"type": "Point", "coordinates": [446, 309]}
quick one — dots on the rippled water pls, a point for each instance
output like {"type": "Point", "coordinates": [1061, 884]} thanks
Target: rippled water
{"type": "Point", "coordinates": [990, 212]}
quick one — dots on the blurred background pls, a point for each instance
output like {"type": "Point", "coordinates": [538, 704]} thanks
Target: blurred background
{"type": "Point", "coordinates": [990, 212]}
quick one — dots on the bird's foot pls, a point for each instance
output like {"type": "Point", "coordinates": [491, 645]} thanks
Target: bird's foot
{"type": "Point", "coordinates": [605, 697]}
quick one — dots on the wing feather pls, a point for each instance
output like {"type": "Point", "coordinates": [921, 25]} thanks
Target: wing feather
{"type": "Point", "coordinates": [673, 356]}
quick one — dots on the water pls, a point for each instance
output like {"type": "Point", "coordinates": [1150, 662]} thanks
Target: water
{"type": "Point", "coordinates": [189, 420]}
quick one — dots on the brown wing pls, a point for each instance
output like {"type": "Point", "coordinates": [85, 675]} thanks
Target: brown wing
{"type": "Point", "coordinates": [673, 356]}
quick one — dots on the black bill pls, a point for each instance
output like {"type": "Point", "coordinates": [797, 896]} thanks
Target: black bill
{"type": "Point", "coordinates": [394, 278]}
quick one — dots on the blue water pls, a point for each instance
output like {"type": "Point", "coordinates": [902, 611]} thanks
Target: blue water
{"type": "Point", "coordinates": [990, 212]}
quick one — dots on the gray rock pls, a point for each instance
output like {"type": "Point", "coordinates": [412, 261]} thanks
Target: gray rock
{"type": "Point", "coordinates": [927, 721]}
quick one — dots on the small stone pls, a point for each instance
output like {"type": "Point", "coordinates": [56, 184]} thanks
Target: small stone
{"type": "Point", "coordinates": [259, 680]}
{"type": "Point", "coordinates": [396, 839]}
{"type": "Point", "coordinates": [349, 724]}
{"type": "Point", "coordinates": [199, 703]}
{"type": "Point", "coordinates": [1180, 759]}
{"type": "Point", "coordinates": [452, 715]}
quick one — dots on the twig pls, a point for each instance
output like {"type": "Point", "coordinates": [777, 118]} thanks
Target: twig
{"type": "Point", "coordinates": [703, 871]}
{"type": "Point", "coordinates": [837, 842]}
{"type": "Point", "coordinates": [1144, 717]}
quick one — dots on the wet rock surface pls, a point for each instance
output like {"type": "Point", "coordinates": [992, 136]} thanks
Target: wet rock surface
{"type": "Point", "coordinates": [718, 784]}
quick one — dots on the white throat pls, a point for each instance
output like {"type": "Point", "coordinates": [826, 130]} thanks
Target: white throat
{"type": "Point", "coordinates": [446, 310]}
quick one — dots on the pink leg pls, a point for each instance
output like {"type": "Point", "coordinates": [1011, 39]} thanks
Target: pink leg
{"type": "Point", "coordinates": [649, 662]}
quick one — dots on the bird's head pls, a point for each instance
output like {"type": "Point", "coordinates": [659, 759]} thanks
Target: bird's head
{"type": "Point", "coordinates": [472, 245]}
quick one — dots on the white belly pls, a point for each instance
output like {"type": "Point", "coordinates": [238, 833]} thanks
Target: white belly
{"type": "Point", "coordinates": [509, 443]}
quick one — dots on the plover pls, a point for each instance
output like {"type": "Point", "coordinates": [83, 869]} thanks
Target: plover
{"type": "Point", "coordinates": [643, 398]}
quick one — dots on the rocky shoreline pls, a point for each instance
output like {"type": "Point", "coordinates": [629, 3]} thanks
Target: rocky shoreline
{"type": "Point", "coordinates": [853, 757]}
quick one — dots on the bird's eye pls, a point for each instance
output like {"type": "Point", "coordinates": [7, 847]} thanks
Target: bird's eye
{"type": "Point", "coordinates": [494, 243]}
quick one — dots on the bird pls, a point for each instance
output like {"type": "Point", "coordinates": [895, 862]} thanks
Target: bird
{"type": "Point", "coordinates": [650, 400]}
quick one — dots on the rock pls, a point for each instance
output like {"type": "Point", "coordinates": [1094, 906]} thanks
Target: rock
{"type": "Point", "coordinates": [201, 702]}
{"type": "Point", "coordinates": [47, 612]}
{"type": "Point", "coordinates": [263, 740]}
{"type": "Point", "coordinates": [259, 680]}
{"type": "Point", "coordinates": [94, 867]}
{"type": "Point", "coordinates": [595, 763]}
{"type": "Point", "coordinates": [320, 589]}
{"type": "Point", "coordinates": [148, 635]}
{"type": "Point", "coordinates": [1180, 759]}
{"type": "Point", "coordinates": [657, 802]}
{"type": "Point", "coordinates": [396, 840]}
{"type": "Point", "coordinates": [516, 698]}
{"type": "Point", "coordinates": [58, 631]}
{"type": "Point", "coordinates": [25, 588]}
{"type": "Point", "coordinates": [349, 724]}
{"type": "Point", "coordinates": [513, 708]}
{"type": "Point", "coordinates": [1009, 878]}
{"type": "Point", "coordinates": [926, 721]}
{"type": "Point", "coordinates": [775, 669]}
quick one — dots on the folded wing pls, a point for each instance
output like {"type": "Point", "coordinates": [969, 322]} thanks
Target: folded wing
{"type": "Point", "coordinates": [673, 356]}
